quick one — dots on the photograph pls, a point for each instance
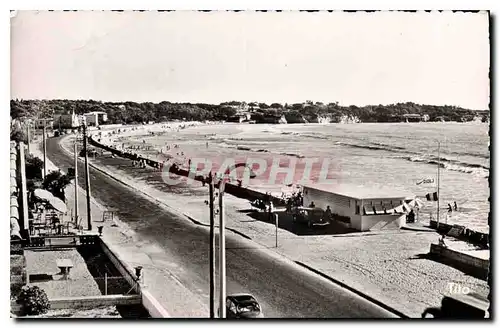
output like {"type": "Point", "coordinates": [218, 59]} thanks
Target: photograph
{"type": "Point", "coordinates": [252, 164]}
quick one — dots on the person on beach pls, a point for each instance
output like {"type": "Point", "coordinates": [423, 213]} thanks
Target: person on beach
{"type": "Point", "coordinates": [312, 205]}
{"type": "Point", "coordinates": [441, 241]}
{"type": "Point", "coordinates": [328, 212]}
{"type": "Point", "coordinates": [411, 217]}
{"type": "Point", "coordinates": [455, 205]}
{"type": "Point", "coordinates": [449, 208]}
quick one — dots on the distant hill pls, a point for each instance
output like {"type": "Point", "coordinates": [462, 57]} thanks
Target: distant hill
{"type": "Point", "coordinates": [132, 112]}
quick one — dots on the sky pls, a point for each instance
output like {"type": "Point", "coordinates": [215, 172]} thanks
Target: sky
{"type": "Point", "coordinates": [288, 57]}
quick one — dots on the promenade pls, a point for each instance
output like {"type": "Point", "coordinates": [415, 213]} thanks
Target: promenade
{"type": "Point", "coordinates": [156, 263]}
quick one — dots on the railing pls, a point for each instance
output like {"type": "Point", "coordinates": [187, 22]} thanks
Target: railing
{"type": "Point", "coordinates": [474, 237]}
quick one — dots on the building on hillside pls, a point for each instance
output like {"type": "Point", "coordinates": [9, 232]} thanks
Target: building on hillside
{"type": "Point", "coordinates": [240, 118]}
{"type": "Point", "coordinates": [95, 118]}
{"type": "Point", "coordinates": [253, 107]}
{"type": "Point", "coordinates": [412, 118]}
{"type": "Point", "coordinates": [363, 208]}
{"type": "Point", "coordinates": [66, 121]}
{"type": "Point", "coordinates": [39, 123]}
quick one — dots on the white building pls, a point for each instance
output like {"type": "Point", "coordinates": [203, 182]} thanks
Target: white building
{"type": "Point", "coordinates": [95, 118]}
{"type": "Point", "coordinates": [365, 208]}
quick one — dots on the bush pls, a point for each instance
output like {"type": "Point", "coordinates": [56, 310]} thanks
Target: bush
{"type": "Point", "coordinates": [33, 300]}
{"type": "Point", "coordinates": [34, 167]}
{"type": "Point", "coordinates": [55, 182]}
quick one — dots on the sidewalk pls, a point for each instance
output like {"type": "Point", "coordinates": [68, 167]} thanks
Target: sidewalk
{"type": "Point", "coordinates": [157, 266]}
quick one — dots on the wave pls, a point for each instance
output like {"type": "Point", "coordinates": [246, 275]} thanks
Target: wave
{"type": "Point", "coordinates": [452, 165]}
{"type": "Point", "coordinates": [314, 136]}
{"type": "Point", "coordinates": [388, 146]}
{"type": "Point", "coordinates": [375, 146]}
{"type": "Point", "coordinates": [470, 154]}
{"type": "Point", "coordinates": [293, 155]}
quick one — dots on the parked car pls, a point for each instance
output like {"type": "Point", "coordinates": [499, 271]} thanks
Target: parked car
{"type": "Point", "coordinates": [312, 216]}
{"type": "Point", "coordinates": [243, 306]}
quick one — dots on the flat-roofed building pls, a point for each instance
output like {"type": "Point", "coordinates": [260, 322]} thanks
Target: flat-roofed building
{"type": "Point", "coordinates": [365, 208]}
{"type": "Point", "coordinates": [95, 118]}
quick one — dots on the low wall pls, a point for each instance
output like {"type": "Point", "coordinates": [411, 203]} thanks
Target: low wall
{"type": "Point", "coordinates": [125, 270]}
{"type": "Point", "coordinates": [91, 302]}
{"type": "Point", "coordinates": [148, 301]}
{"type": "Point", "coordinates": [481, 266]}
{"type": "Point", "coordinates": [230, 188]}
{"type": "Point", "coordinates": [153, 306]}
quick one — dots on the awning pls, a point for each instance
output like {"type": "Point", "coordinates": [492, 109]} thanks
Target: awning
{"type": "Point", "coordinates": [416, 203]}
{"type": "Point", "coordinates": [368, 210]}
{"type": "Point", "coordinates": [401, 209]}
{"type": "Point", "coordinates": [390, 211]}
{"type": "Point", "coordinates": [379, 209]}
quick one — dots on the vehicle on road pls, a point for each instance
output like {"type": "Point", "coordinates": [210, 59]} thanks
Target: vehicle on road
{"type": "Point", "coordinates": [312, 216]}
{"type": "Point", "coordinates": [243, 306]}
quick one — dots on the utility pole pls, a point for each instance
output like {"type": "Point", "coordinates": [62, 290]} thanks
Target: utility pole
{"type": "Point", "coordinates": [438, 196]}
{"type": "Point", "coordinates": [276, 219]}
{"type": "Point", "coordinates": [87, 177]}
{"type": "Point", "coordinates": [76, 180]}
{"type": "Point", "coordinates": [29, 136]}
{"type": "Point", "coordinates": [212, 246]}
{"type": "Point", "coordinates": [44, 151]}
{"type": "Point", "coordinates": [222, 252]}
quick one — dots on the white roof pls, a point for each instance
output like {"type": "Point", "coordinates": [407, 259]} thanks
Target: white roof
{"type": "Point", "coordinates": [93, 113]}
{"type": "Point", "coordinates": [361, 192]}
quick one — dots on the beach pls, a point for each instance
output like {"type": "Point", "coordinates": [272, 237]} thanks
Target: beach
{"type": "Point", "coordinates": [397, 156]}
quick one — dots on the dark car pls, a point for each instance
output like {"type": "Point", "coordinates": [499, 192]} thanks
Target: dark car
{"type": "Point", "coordinates": [312, 216]}
{"type": "Point", "coordinates": [243, 306]}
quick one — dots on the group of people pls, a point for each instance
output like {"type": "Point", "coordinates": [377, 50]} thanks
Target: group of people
{"type": "Point", "coordinates": [455, 207]}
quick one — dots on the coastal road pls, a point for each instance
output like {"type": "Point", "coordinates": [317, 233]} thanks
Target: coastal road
{"type": "Point", "coordinates": [285, 289]}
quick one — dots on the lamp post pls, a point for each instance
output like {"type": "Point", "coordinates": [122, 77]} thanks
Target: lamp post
{"type": "Point", "coordinates": [87, 177]}
{"type": "Point", "coordinates": [222, 251]}
{"type": "Point", "coordinates": [76, 180]}
{"type": "Point", "coordinates": [212, 246]}
{"type": "Point", "coordinates": [438, 176]}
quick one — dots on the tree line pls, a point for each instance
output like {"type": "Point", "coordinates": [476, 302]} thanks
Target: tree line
{"type": "Point", "coordinates": [132, 112]}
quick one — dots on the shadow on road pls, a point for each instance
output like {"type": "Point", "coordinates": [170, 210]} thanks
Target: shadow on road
{"type": "Point", "coordinates": [285, 221]}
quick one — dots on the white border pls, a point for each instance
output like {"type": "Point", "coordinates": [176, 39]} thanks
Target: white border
{"type": "Point", "coordinates": [492, 5]}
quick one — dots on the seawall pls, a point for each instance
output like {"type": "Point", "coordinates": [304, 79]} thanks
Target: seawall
{"type": "Point", "coordinates": [235, 190]}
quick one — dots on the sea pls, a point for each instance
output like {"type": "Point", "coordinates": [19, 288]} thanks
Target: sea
{"type": "Point", "coordinates": [399, 156]}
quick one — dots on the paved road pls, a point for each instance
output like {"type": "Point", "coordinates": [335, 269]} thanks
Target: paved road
{"type": "Point", "coordinates": [283, 288]}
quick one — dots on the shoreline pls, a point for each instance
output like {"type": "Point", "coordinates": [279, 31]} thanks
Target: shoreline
{"type": "Point", "coordinates": [316, 252]}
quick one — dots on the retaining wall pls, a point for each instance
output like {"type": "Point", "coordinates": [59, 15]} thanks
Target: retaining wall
{"type": "Point", "coordinates": [125, 270]}
{"type": "Point", "coordinates": [479, 265]}
{"type": "Point", "coordinates": [153, 307]}
{"type": "Point", "coordinates": [230, 188]}
{"type": "Point", "coordinates": [91, 302]}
